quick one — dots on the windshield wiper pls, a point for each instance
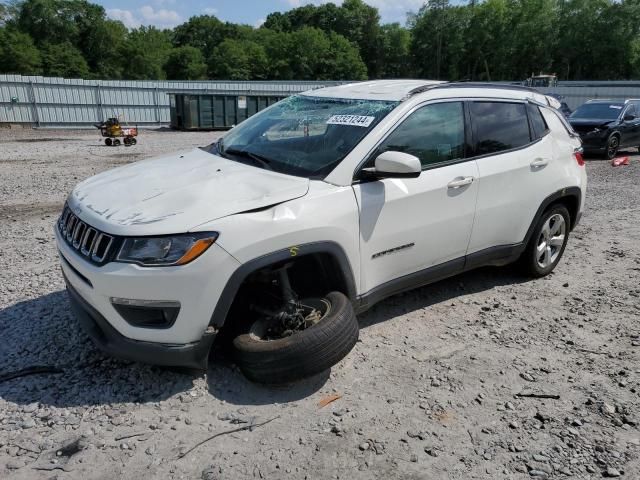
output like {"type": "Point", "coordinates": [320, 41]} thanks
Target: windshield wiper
{"type": "Point", "coordinates": [263, 161]}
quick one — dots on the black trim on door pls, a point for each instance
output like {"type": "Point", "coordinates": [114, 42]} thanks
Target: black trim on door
{"type": "Point", "coordinates": [493, 256]}
{"type": "Point", "coordinates": [409, 282]}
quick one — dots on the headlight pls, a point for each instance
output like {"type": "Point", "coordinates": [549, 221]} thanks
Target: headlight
{"type": "Point", "coordinates": [165, 251]}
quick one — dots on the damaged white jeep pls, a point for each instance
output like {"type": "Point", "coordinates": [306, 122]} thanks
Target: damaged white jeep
{"type": "Point", "coordinates": [275, 236]}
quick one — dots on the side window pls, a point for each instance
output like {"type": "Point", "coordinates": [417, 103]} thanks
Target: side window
{"type": "Point", "coordinates": [538, 123]}
{"type": "Point", "coordinates": [631, 110]}
{"type": "Point", "coordinates": [499, 126]}
{"type": "Point", "coordinates": [434, 134]}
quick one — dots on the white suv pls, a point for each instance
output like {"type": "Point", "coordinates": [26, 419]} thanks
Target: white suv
{"type": "Point", "coordinates": [311, 211]}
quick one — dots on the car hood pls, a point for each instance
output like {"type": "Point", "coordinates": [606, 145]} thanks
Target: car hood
{"type": "Point", "coordinates": [178, 192]}
{"type": "Point", "coordinates": [589, 122]}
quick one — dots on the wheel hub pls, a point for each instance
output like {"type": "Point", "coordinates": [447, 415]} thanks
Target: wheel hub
{"type": "Point", "coordinates": [294, 317]}
{"type": "Point", "coordinates": [551, 240]}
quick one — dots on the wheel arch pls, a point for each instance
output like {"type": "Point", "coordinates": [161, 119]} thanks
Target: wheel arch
{"type": "Point", "coordinates": [570, 197]}
{"type": "Point", "coordinates": [326, 251]}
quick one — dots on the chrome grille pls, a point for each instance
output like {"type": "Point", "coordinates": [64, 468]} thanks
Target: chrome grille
{"type": "Point", "coordinates": [89, 242]}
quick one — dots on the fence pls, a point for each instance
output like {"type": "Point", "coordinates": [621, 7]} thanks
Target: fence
{"type": "Point", "coordinates": [59, 102]}
{"type": "Point", "coordinates": [576, 93]}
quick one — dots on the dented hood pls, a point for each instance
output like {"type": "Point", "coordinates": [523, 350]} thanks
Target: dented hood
{"type": "Point", "coordinates": [175, 193]}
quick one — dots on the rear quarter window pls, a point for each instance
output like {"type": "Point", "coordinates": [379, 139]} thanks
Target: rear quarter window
{"type": "Point", "coordinates": [499, 126]}
{"type": "Point", "coordinates": [538, 123]}
{"type": "Point", "coordinates": [557, 122]}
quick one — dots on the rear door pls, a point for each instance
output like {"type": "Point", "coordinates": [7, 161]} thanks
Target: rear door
{"type": "Point", "coordinates": [409, 225]}
{"type": "Point", "coordinates": [516, 167]}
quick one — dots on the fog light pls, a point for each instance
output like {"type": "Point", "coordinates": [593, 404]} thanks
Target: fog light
{"type": "Point", "coordinates": [147, 313]}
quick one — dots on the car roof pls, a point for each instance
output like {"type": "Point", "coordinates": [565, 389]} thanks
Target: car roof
{"type": "Point", "coordinates": [392, 90]}
{"type": "Point", "coordinates": [399, 90]}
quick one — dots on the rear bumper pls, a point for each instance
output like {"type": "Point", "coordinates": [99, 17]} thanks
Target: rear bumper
{"type": "Point", "coordinates": [109, 340]}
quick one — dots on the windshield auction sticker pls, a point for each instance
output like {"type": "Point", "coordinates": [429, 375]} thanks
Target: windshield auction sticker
{"type": "Point", "coordinates": [353, 120]}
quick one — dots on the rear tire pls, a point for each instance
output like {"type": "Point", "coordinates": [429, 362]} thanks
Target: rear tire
{"type": "Point", "coordinates": [116, 142]}
{"type": "Point", "coordinates": [303, 354]}
{"type": "Point", "coordinates": [108, 142]}
{"type": "Point", "coordinates": [547, 244]}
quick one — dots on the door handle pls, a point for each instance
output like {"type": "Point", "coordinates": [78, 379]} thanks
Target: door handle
{"type": "Point", "coordinates": [540, 162]}
{"type": "Point", "coordinates": [460, 182]}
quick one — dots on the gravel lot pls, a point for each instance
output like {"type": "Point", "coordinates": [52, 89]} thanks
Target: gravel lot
{"type": "Point", "coordinates": [430, 391]}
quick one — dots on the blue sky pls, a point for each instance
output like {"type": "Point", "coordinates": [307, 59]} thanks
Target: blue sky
{"type": "Point", "coordinates": [168, 13]}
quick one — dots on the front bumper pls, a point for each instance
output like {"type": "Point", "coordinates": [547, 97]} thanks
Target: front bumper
{"type": "Point", "coordinates": [109, 340]}
{"type": "Point", "coordinates": [594, 142]}
{"type": "Point", "coordinates": [196, 287]}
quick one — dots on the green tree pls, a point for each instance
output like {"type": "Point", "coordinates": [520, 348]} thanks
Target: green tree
{"type": "Point", "coordinates": [64, 60]}
{"type": "Point", "coordinates": [145, 53]}
{"type": "Point", "coordinates": [354, 20]}
{"type": "Point", "coordinates": [57, 21]}
{"type": "Point", "coordinates": [395, 52]}
{"type": "Point", "coordinates": [315, 55]}
{"type": "Point", "coordinates": [481, 40]}
{"type": "Point", "coordinates": [361, 24]}
{"type": "Point", "coordinates": [203, 32]}
{"type": "Point", "coordinates": [239, 60]}
{"type": "Point", "coordinates": [487, 51]}
{"type": "Point", "coordinates": [102, 48]}
{"type": "Point", "coordinates": [18, 53]}
{"type": "Point", "coordinates": [438, 40]}
{"type": "Point", "coordinates": [5, 14]}
{"type": "Point", "coordinates": [344, 60]}
{"type": "Point", "coordinates": [83, 25]}
{"type": "Point", "coordinates": [276, 45]}
{"type": "Point", "coordinates": [185, 63]}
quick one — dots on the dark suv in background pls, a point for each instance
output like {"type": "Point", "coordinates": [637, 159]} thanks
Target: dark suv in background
{"type": "Point", "coordinates": [605, 126]}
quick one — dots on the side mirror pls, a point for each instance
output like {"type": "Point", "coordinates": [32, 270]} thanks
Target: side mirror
{"type": "Point", "coordinates": [392, 164]}
{"type": "Point", "coordinates": [628, 118]}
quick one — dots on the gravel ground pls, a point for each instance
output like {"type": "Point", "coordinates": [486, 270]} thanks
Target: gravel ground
{"type": "Point", "coordinates": [429, 392]}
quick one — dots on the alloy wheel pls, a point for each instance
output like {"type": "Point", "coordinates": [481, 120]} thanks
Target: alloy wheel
{"type": "Point", "coordinates": [551, 240]}
{"type": "Point", "coordinates": [612, 147]}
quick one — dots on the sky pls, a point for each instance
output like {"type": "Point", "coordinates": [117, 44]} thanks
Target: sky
{"type": "Point", "coordinates": [169, 13]}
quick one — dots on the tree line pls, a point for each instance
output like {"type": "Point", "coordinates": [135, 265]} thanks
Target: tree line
{"type": "Point", "coordinates": [482, 40]}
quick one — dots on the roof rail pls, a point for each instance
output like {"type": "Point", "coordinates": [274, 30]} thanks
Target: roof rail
{"type": "Point", "coordinates": [605, 100]}
{"type": "Point", "coordinates": [503, 86]}
{"type": "Point", "coordinates": [423, 88]}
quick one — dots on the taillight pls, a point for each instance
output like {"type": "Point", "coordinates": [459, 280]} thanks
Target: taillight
{"type": "Point", "coordinates": [579, 157]}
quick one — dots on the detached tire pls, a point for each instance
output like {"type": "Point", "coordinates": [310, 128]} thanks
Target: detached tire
{"type": "Point", "coordinates": [303, 354]}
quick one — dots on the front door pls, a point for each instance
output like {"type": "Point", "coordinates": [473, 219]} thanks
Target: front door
{"type": "Point", "coordinates": [409, 225]}
{"type": "Point", "coordinates": [630, 129]}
